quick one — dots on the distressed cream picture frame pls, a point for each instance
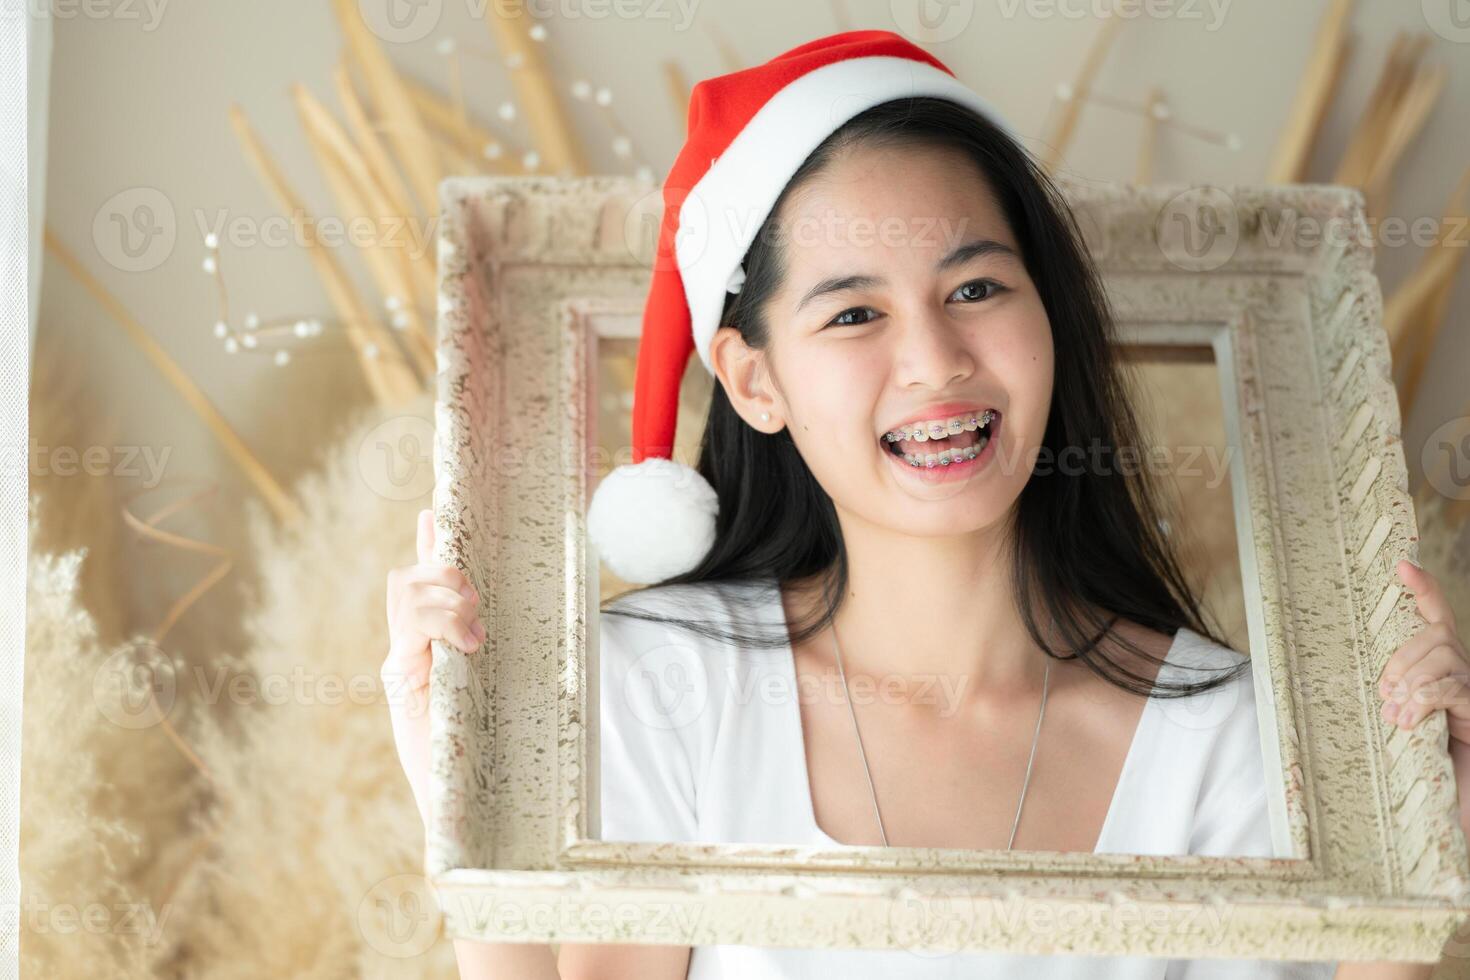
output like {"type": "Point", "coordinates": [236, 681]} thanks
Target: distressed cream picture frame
{"type": "Point", "coordinates": [1276, 283]}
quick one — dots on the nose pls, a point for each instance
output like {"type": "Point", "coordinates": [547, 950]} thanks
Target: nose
{"type": "Point", "coordinates": [933, 352]}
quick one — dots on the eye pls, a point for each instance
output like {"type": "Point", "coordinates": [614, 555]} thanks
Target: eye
{"type": "Point", "coordinates": [993, 286]}
{"type": "Point", "coordinates": [837, 320]}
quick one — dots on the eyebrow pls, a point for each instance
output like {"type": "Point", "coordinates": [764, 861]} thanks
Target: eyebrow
{"type": "Point", "coordinates": [960, 255]}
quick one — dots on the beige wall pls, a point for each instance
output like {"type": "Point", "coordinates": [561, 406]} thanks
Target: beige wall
{"type": "Point", "coordinates": [140, 92]}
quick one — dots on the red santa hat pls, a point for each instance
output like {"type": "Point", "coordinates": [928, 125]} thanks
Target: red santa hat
{"type": "Point", "coordinates": [748, 133]}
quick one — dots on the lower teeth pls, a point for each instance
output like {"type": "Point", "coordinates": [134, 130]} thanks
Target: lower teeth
{"type": "Point", "coordinates": [931, 460]}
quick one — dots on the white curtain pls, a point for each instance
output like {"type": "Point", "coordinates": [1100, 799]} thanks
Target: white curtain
{"type": "Point", "coordinates": [38, 61]}
{"type": "Point", "coordinates": [25, 62]}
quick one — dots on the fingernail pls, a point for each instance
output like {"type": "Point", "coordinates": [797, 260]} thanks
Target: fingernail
{"type": "Point", "coordinates": [467, 591]}
{"type": "Point", "coordinates": [479, 630]}
{"type": "Point", "coordinates": [1390, 711]}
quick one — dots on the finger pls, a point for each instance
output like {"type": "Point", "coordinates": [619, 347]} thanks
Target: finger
{"type": "Point", "coordinates": [1428, 596]}
{"type": "Point", "coordinates": [1437, 681]}
{"type": "Point", "coordinates": [439, 586]}
{"type": "Point", "coordinates": [425, 596]}
{"type": "Point", "coordinates": [410, 654]}
{"type": "Point", "coordinates": [1413, 650]}
{"type": "Point", "coordinates": [446, 576]}
{"type": "Point", "coordinates": [442, 624]}
{"type": "Point", "coordinates": [451, 621]}
{"type": "Point", "coordinates": [426, 536]}
{"type": "Point", "coordinates": [1448, 692]}
{"type": "Point", "coordinates": [425, 607]}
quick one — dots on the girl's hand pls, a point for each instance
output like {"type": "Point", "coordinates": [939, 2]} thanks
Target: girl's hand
{"type": "Point", "coordinates": [426, 601]}
{"type": "Point", "coordinates": [1431, 670]}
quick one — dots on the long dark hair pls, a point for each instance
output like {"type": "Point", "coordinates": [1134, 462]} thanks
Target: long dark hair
{"type": "Point", "coordinates": [1088, 547]}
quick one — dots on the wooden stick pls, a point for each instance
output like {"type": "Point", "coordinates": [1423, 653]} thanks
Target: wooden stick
{"type": "Point", "coordinates": [729, 57]}
{"type": "Point", "coordinates": [275, 496]}
{"type": "Point", "coordinates": [1405, 302]}
{"type": "Point", "coordinates": [1407, 123]}
{"type": "Point", "coordinates": [148, 528]}
{"type": "Point", "coordinates": [470, 136]}
{"type": "Point", "coordinates": [456, 88]}
{"type": "Point", "coordinates": [1341, 56]}
{"type": "Point", "coordinates": [405, 129]}
{"type": "Point", "coordinates": [1148, 145]}
{"type": "Point", "coordinates": [555, 139]}
{"type": "Point", "coordinates": [358, 196]}
{"type": "Point", "coordinates": [1439, 260]}
{"type": "Point", "coordinates": [1420, 314]}
{"type": "Point", "coordinates": [1412, 326]}
{"type": "Point", "coordinates": [839, 15]}
{"type": "Point", "coordinates": [677, 84]}
{"type": "Point", "coordinates": [1433, 318]}
{"type": "Point", "coordinates": [384, 171]}
{"type": "Point", "coordinates": [456, 161]}
{"type": "Point", "coordinates": [1055, 146]}
{"type": "Point", "coordinates": [385, 176]}
{"type": "Point", "coordinates": [367, 198]}
{"type": "Point", "coordinates": [1314, 92]}
{"type": "Point", "coordinates": [1388, 93]}
{"type": "Point", "coordinates": [1354, 161]}
{"type": "Point", "coordinates": [1340, 61]}
{"type": "Point", "coordinates": [388, 374]}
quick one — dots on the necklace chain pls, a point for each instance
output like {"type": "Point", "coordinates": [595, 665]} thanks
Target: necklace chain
{"type": "Point", "coordinates": [1035, 737]}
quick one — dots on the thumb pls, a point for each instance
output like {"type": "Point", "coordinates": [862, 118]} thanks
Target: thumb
{"type": "Point", "coordinates": [426, 536]}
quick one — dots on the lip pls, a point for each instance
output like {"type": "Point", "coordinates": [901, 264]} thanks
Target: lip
{"type": "Point", "coordinates": [940, 410]}
{"type": "Point", "coordinates": [954, 471]}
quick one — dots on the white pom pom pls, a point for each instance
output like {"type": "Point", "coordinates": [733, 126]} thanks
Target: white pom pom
{"type": "Point", "coordinates": [652, 520]}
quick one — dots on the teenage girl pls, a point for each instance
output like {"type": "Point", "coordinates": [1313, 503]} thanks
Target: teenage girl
{"type": "Point", "coordinates": [845, 355]}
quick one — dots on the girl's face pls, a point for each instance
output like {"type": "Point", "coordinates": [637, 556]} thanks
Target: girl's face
{"type": "Point", "coordinates": [905, 299]}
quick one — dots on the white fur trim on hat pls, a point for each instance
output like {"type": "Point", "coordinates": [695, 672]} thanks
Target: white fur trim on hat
{"type": "Point", "coordinates": [652, 520]}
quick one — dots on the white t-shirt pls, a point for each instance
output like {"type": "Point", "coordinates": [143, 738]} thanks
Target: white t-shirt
{"type": "Point", "coordinates": [701, 741]}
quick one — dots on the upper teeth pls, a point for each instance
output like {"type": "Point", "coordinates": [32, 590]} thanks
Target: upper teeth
{"type": "Point", "coordinates": [924, 431]}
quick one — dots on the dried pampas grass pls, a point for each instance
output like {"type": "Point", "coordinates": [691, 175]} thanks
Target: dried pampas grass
{"type": "Point", "coordinates": [102, 802]}
{"type": "Point", "coordinates": [66, 415]}
{"type": "Point", "coordinates": [315, 869]}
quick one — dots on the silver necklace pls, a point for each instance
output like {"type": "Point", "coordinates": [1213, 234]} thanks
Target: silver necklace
{"type": "Point", "coordinates": [1035, 737]}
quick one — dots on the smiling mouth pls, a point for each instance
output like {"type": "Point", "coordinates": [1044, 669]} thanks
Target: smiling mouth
{"type": "Point", "coordinates": [944, 450]}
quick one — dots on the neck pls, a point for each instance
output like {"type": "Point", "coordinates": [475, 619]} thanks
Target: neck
{"type": "Point", "coordinates": [935, 615]}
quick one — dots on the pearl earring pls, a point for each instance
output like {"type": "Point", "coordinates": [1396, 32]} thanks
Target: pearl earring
{"type": "Point", "coordinates": [765, 416]}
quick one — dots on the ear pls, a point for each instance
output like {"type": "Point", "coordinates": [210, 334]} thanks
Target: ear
{"type": "Point", "coordinates": [744, 372]}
